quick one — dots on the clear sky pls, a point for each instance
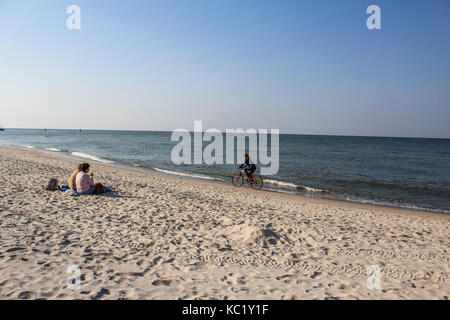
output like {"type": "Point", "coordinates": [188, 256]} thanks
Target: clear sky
{"type": "Point", "coordinates": [308, 67]}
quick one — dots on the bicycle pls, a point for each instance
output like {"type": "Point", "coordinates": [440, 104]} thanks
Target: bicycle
{"type": "Point", "coordinates": [238, 179]}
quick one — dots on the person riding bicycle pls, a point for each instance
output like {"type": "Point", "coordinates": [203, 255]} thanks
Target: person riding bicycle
{"type": "Point", "coordinates": [248, 167]}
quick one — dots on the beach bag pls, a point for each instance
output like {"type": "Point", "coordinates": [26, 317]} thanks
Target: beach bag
{"type": "Point", "coordinates": [99, 189]}
{"type": "Point", "coordinates": [52, 185]}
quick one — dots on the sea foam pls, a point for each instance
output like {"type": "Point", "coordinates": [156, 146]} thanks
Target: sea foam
{"type": "Point", "coordinates": [92, 157]}
{"type": "Point", "coordinates": [198, 176]}
{"type": "Point", "coordinates": [291, 185]}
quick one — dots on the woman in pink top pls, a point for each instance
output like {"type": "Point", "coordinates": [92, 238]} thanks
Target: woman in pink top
{"type": "Point", "coordinates": [85, 182]}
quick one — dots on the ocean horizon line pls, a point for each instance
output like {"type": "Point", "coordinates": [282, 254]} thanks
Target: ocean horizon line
{"type": "Point", "coordinates": [281, 133]}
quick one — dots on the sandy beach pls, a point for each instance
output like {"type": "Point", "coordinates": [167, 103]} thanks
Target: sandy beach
{"type": "Point", "coordinates": [157, 237]}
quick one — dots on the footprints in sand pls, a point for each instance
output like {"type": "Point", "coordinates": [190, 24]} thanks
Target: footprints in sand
{"type": "Point", "coordinates": [161, 282]}
{"type": "Point", "coordinates": [27, 295]}
{"type": "Point", "coordinates": [233, 279]}
{"type": "Point", "coordinates": [15, 249]}
{"type": "Point", "coordinates": [101, 293]}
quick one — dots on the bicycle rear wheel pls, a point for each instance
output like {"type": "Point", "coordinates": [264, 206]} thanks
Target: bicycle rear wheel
{"type": "Point", "coordinates": [258, 183]}
{"type": "Point", "coordinates": [238, 180]}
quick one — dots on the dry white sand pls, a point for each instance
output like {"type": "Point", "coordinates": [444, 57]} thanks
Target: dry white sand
{"type": "Point", "coordinates": [165, 238]}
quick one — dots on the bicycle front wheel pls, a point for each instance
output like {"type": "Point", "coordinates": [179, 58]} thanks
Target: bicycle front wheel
{"type": "Point", "coordinates": [238, 179]}
{"type": "Point", "coordinates": [258, 183]}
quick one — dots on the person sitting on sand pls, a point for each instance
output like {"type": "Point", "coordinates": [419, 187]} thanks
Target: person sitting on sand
{"type": "Point", "coordinates": [85, 183]}
{"type": "Point", "coordinates": [248, 167]}
{"type": "Point", "coordinates": [73, 177]}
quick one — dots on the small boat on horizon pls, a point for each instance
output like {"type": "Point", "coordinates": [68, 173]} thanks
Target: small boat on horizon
{"type": "Point", "coordinates": [1, 128]}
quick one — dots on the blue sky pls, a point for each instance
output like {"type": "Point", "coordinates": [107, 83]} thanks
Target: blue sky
{"type": "Point", "coordinates": [300, 66]}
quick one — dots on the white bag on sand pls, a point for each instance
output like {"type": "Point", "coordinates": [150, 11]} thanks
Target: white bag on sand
{"type": "Point", "coordinates": [70, 192]}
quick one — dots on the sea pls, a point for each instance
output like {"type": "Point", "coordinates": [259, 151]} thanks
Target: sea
{"type": "Point", "coordinates": [399, 172]}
